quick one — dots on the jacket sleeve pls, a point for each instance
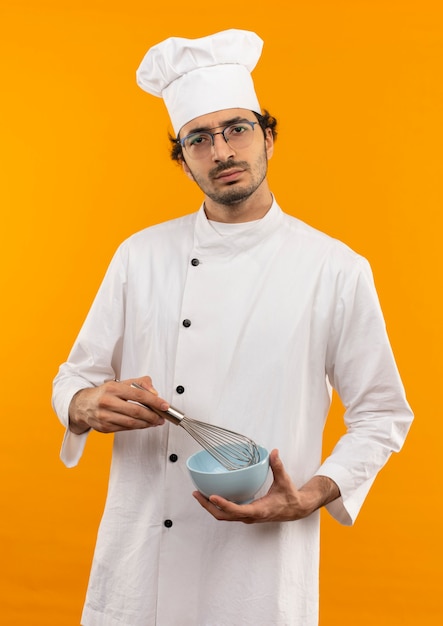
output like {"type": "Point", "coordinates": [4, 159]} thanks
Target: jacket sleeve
{"type": "Point", "coordinates": [96, 354]}
{"type": "Point", "coordinates": [361, 367]}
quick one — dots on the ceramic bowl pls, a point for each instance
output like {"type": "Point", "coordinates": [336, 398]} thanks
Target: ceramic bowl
{"type": "Point", "coordinates": [240, 486]}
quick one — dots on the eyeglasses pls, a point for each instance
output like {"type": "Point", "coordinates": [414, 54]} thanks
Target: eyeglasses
{"type": "Point", "coordinates": [198, 145]}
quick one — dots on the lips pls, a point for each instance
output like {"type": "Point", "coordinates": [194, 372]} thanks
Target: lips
{"type": "Point", "coordinates": [229, 175]}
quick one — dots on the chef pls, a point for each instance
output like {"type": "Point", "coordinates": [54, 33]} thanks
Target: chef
{"type": "Point", "coordinates": [244, 316]}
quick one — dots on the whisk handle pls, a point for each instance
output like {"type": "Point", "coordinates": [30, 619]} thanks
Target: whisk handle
{"type": "Point", "coordinates": [172, 415]}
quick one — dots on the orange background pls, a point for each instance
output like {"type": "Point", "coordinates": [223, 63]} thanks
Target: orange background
{"type": "Point", "coordinates": [357, 88]}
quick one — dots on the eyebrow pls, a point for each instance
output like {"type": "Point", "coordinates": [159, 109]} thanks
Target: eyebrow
{"type": "Point", "coordinates": [203, 129]}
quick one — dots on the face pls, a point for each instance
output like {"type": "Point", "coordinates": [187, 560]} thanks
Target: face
{"type": "Point", "coordinates": [228, 176]}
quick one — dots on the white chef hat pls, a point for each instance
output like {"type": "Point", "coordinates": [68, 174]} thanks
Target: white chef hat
{"type": "Point", "coordinates": [199, 76]}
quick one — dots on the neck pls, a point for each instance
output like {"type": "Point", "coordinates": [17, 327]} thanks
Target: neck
{"type": "Point", "coordinates": [253, 208]}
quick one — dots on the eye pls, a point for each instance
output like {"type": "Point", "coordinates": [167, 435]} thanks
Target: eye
{"type": "Point", "coordinates": [238, 129]}
{"type": "Point", "coordinates": [198, 139]}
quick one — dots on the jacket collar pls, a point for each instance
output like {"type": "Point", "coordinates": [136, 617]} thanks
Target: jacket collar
{"type": "Point", "coordinates": [208, 241]}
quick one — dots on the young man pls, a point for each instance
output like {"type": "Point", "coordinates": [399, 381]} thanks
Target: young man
{"type": "Point", "coordinates": [243, 316]}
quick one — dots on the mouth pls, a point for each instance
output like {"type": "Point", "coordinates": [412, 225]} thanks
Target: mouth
{"type": "Point", "coordinates": [228, 176]}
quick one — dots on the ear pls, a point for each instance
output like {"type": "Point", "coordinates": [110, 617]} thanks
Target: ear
{"type": "Point", "coordinates": [269, 142]}
{"type": "Point", "coordinates": [186, 170]}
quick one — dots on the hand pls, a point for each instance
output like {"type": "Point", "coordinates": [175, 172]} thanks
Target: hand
{"type": "Point", "coordinates": [283, 502]}
{"type": "Point", "coordinates": [113, 407]}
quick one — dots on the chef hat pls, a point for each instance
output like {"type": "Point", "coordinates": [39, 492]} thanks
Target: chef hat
{"type": "Point", "coordinates": [199, 76]}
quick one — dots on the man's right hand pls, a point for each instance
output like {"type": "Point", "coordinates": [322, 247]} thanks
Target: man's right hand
{"type": "Point", "coordinates": [115, 406]}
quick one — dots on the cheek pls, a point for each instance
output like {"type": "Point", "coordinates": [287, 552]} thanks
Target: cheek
{"type": "Point", "coordinates": [187, 171]}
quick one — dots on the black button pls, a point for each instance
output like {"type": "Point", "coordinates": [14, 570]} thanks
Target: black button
{"type": "Point", "coordinates": [186, 323]}
{"type": "Point", "coordinates": [173, 458]}
{"type": "Point", "coordinates": [180, 389]}
{"type": "Point", "coordinates": [168, 523]}
{"type": "Point", "coordinates": [195, 262]}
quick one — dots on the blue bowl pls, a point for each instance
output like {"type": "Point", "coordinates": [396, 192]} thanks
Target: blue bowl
{"type": "Point", "coordinates": [239, 486]}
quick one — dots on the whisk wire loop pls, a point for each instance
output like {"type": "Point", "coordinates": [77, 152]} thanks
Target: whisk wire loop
{"type": "Point", "coordinates": [231, 449]}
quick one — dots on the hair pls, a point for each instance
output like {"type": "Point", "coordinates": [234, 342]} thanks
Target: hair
{"type": "Point", "coordinates": [266, 120]}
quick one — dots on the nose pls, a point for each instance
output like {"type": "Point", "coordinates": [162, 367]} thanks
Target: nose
{"type": "Point", "coordinates": [221, 149]}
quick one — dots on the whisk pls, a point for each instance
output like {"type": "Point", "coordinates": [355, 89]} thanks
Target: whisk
{"type": "Point", "coordinates": [229, 448]}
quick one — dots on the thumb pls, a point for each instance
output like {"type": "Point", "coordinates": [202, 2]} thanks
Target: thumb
{"type": "Point", "coordinates": [276, 463]}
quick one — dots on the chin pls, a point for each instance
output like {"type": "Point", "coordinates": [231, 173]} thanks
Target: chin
{"type": "Point", "coordinates": [232, 196]}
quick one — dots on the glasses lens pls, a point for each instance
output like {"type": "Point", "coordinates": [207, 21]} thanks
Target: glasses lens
{"type": "Point", "coordinates": [198, 145]}
{"type": "Point", "coordinates": [239, 135]}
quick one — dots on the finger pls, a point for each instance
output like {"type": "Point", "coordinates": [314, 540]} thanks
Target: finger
{"type": "Point", "coordinates": [140, 403]}
{"type": "Point", "coordinates": [274, 458]}
{"type": "Point", "coordinates": [126, 408]}
{"type": "Point", "coordinates": [207, 505]}
{"type": "Point", "coordinates": [139, 411]}
{"type": "Point", "coordinates": [276, 464]}
{"type": "Point", "coordinates": [146, 382]}
{"type": "Point", "coordinates": [228, 507]}
{"type": "Point", "coordinates": [115, 413]}
{"type": "Point", "coordinates": [150, 399]}
{"type": "Point", "coordinates": [214, 505]}
{"type": "Point", "coordinates": [225, 510]}
{"type": "Point", "coordinates": [110, 422]}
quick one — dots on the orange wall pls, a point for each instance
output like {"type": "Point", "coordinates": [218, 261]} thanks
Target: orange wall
{"type": "Point", "coordinates": [357, 88]}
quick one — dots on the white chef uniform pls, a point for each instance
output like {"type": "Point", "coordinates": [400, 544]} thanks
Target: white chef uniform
{"type": "Point", "coordinates": [278, 313]}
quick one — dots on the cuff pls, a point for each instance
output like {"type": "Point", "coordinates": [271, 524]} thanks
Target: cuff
{"type": "Point", "coordinates": [72, 447]}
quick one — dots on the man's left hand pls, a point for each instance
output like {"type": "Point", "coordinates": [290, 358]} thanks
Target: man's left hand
{"type": "Point", "coordinates": [283, 502]}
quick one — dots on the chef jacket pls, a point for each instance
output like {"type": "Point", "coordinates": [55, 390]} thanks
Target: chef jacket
{"type": "Point", "coordinates": [249, 330]}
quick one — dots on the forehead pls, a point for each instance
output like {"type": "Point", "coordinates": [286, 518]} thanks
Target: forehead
{"type": "Point", "coordinates": [216, 119]}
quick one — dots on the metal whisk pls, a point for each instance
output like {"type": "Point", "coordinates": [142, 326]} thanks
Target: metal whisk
{"type": "Point", "coordinates": [231, 449]}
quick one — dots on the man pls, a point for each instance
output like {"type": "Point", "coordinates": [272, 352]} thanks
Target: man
{"type": "Point", "coordinates": [243, 316]}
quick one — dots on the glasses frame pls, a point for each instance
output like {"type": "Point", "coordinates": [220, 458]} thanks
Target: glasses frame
{"type": "Point", "coordinates": [212, 135]}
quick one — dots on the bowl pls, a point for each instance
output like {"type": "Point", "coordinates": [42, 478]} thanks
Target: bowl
{"type": "Point", "coordinates": [239, 486]}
